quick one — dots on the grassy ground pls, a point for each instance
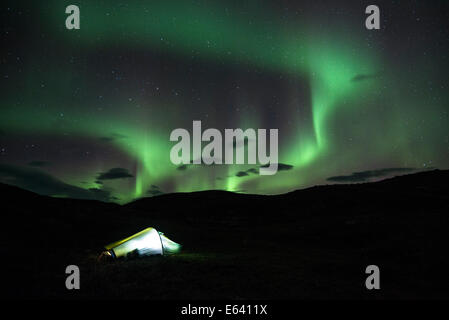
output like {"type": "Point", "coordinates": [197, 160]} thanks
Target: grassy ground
{"type": "Point", "coordinates": [314, 243]}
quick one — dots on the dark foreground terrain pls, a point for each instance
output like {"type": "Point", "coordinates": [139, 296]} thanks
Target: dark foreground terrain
{"type": "Point", "coordinates": [313, 243]}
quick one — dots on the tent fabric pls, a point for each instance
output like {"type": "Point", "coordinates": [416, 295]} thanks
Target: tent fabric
{"type": "Point", "coordinates": [144, 243]}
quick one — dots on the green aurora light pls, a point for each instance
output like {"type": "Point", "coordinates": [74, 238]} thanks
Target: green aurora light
{"type": "Point", "coordinates": [323, 56]}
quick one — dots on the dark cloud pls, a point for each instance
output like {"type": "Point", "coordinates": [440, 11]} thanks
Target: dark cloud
{"type": "Point", "coordinates": [102, 194]}
{"type": "Point", "coordinates": [281, 166]}
{"type": "Point", "coordinates": [363, 77]}
{"type": "Point", "coordinates": [284, 167]}
{"type": "Point", "coordinates": [369, 174]}
{"type": "Point", "coordinates": [38, 163]}
{"type": "Point", "coordinates": [113, 137]}
{"type": "Point", "coordinates": [253, 170]}
{"type": "Point", "coordinates": [43, 183]}
{"type": "Point", "coordinates": [115, 173]}
{"type": "Point", "coordinates": [241, 174]}
{"type": "Point", "coordinates": [154, 190]}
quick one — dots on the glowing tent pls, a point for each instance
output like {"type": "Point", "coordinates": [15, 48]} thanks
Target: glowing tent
{"type": "Point", "coordinates": [146, 242]}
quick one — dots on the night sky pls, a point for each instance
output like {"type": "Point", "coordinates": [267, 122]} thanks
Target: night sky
{"type": "Point", "coordinates": [88, 113]}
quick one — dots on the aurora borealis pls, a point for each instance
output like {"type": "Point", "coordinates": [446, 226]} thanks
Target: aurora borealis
{"type": "Point", "coordinates": [88, 113]}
